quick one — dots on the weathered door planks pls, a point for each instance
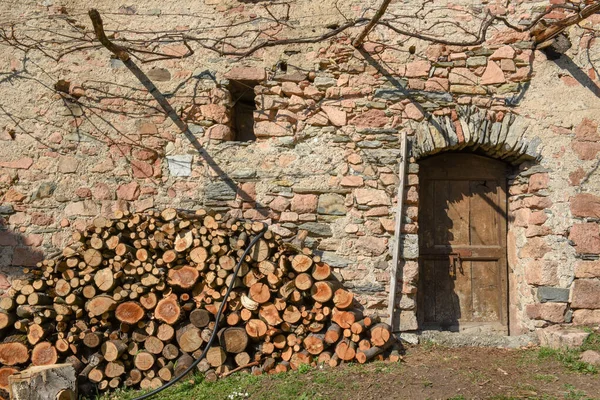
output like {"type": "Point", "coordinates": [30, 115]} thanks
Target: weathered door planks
{"type": "Point", "coordinates": [462, 225]}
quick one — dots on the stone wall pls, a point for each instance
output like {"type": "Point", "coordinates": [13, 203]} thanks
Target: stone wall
{"type": "Point", "coordinates": [326, 155]}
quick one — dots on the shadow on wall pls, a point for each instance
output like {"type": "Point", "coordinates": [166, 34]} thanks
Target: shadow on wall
{"type": "Point", "coordinates": [93, 106]}
{"type": "Point", "coordinates": [15, 253]}
{"type": "Point", "coordinates": [578, 74]}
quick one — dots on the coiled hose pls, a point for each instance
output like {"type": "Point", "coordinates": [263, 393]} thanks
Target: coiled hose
{"type": "Point", "coordinates": [217, 318]}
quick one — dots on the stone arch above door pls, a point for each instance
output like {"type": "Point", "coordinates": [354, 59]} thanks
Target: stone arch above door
{"type": "Point", "coordinates": [495, 134]}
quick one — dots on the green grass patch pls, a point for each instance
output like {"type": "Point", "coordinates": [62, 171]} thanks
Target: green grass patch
{"type": "Point", "coordinates": [304, 384]}
{"type": "Point", "coordinates": [570, 357]}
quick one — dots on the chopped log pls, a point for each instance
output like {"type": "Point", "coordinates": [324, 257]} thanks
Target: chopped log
{"type": "Point", "coordinates": [362, 356]}
{"type": "Point", "coordinates": [233, 318]}
{"type": "Point", "coordinates": [166, 372]}
{"type": "Point", "coordinates": [242, 359]}
{"type": "Point", "coordinates": [395, 356]}
{"type": "Point", "coordinates": [358, 327]}
{"type": "Point", "coordinates": [62, 288]}
{"type": "Point", "coordinates": [346, 350]}
{"type": "Point", "coordinates": [184, 277]}
{"type": "Point", "coordinates": [100, 305]}
{"type": "Point", "coordinates": [7, 304]}
{"type": "Point", "coordinates": [95, 375]}
{"type": "Point", "coordinates": [233, 340]}
{"type": "Point", "coordinates": [92, 257]}
{"type": "Point", "coordinates": [44, 382]}
{"type": "Point", "coordinates": [104, 279]}
{"type": "Point", "coordinates": [170, 351]}
{"type": "Point", "coordinates": [41, 299]}
{"type": "Point", "coordinates": [324, 358]}
{"type": "Point", "coordinates": [342, 299]}
{"type": "Point", "coordinates": [260, 293]}
{"type": "Point", "coordinates": [282, 366]}
{"type": "Point", "coordinates": [167, 310]}
{"type": "Point", "coordinates": [216, 356]}
{"type": "Point", "coordinates": [143, 361]}
{"type": "Point", "coordinates": [256, 328]}
{"type": "Point", "coordinates": [380, 334]}
{"type": "Point", "coordinates": [112, 349]}
{"type": "Point", "coordinates": [301, 263]}
{"type": "Point", "coordinates": [314, 344]}
{"type": "Point", "coordinates": [133, 377]}
{"type": "Point", "coordinates": [248, 303]}
{"type": "Point", "coordinates": [198, 255]}
{"type": "Point", "coordinates": [129, 312]}
{"type": "Point", "coordinates": [227, 263]}
{"type": "Point", "coordinates": [300, 358]}
{"type": "Point", "coordinates": [13, 353]}
{"type": "Point", "coordinates": [364, 344]}
{"type": "Point", "coordinates": [189, 338]}
{"type": "Point", "coordinates": [38, 332]}
{"type": "Point", "coordinates": [344, 319]}
{"type": "Point", "coordinates": [169, 256]}
{"type": "Point", "coordinates": [44, 353]}
{"type": "Point", "coordinates": [183, 241]}
{"type": "Point", "coordinates": [199, 318]}
{"type": "Point", "coordinates": [114, 369]}
{"type": "Point", "coordinates": [269, 313]}
{"type": "Point", "coordinates": [322, 291]}
{"type": "Point", "coordinates": [5, 372]}
{"type": "Point", "coordinates": [266, 267]}
{"type": "Point", "coordinates": [182, 364]}
{"type": "Point", "coordinates": [260, 251]}
{"type": "Point", "coordinates": [334, 361]}
{"type": "Point", "coordinates": [165, 332]}
{"type": "Point", "coordinates": [321, 271]}
{"type": "Point", "coordinates": [168, 214]}
{"type": "Point", "coordinates": [148, 301]}
{"type": "Point", "coordinates": [303, 281]}
{"type": "Point", "coordinates": [292, 314]}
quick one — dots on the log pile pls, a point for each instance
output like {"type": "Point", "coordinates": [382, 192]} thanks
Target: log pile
{"type": "Point", "coordinates": [132, 302]}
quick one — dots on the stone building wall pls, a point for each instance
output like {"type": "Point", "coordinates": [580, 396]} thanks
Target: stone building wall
{"type": "Point", "coordinates": [327, 150]}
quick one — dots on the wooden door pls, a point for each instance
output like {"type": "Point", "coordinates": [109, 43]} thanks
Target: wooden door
{"type": "Point", "coordinates": [462, 238]}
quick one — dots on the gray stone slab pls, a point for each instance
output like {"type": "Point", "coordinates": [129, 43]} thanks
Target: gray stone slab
{"type": "Point", "coordinates": [551, 294]}
{"type": "Point", "coordinates": [317, 229]}
{"type": "Point", "coordinates": [220, 190]}
{"type": "Point", "coordinates": [6, 209]}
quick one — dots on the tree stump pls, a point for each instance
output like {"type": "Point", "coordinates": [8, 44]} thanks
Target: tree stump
{"type": "Point", "coordinates": [47, 382]}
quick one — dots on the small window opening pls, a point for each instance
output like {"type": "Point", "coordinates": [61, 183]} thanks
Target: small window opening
{"type": "Point", "coordinates": [244, 105]}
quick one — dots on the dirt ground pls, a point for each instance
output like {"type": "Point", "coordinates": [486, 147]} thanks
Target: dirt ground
{"type": "Point", "coordinates": [426, 372]}
{"type": "Point", "coordinates": [448, 373]}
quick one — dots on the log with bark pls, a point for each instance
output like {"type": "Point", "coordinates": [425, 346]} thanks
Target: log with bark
{"type": "Point", "coordinates": [133, 301]}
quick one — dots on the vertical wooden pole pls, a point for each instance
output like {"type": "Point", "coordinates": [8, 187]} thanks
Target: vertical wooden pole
{"type": "Point", "coordinates": [398, 247]}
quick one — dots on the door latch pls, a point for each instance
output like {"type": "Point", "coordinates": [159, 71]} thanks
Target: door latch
{"type": "Point", "coordinates": [454, 259]}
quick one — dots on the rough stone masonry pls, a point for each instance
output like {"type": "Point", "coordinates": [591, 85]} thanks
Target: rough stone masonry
{"type": "Point", "coordinates": [81, 137]}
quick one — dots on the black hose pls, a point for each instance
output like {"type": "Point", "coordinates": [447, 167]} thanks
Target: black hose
{"type": "Point", "coordinates": [217, 318]}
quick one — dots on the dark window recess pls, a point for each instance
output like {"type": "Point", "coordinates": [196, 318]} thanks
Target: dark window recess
{"type": "Point", "coordinates": [242, 95]}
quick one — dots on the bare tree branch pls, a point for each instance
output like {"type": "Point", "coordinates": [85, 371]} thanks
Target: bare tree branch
{"type": "Point", "coordinates": [273, 43]}
{"type": "Point", "coordinates": [361, 37]}
{"type": "Point", "coordinates": [119, 51]}
{"type": "Point", "coordinates": [563, 24]}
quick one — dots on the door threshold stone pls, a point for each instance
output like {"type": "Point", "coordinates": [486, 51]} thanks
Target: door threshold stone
{"type": "Point", "coordinates": [460, 339]}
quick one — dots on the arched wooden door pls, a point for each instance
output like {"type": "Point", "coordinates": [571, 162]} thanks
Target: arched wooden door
{"type": "Point", "coordinates": [462, 240]}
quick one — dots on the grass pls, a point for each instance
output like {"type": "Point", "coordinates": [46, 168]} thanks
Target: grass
{"type": "Point", "coordinates": [304, 384]}
{"type": "Point", "coordinates": [316, 383]}
{"type": "Point", "coordinates": [570, 357]}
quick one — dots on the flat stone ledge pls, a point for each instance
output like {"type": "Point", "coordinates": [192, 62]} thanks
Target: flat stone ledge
{"type": "Point", "coordinates": [561, 337]}
{"type": "Point", "coordinates": [458, 339]}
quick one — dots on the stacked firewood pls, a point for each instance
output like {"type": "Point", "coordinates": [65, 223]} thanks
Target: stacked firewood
{"type": "Point", "coordinates": [133, 302]}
